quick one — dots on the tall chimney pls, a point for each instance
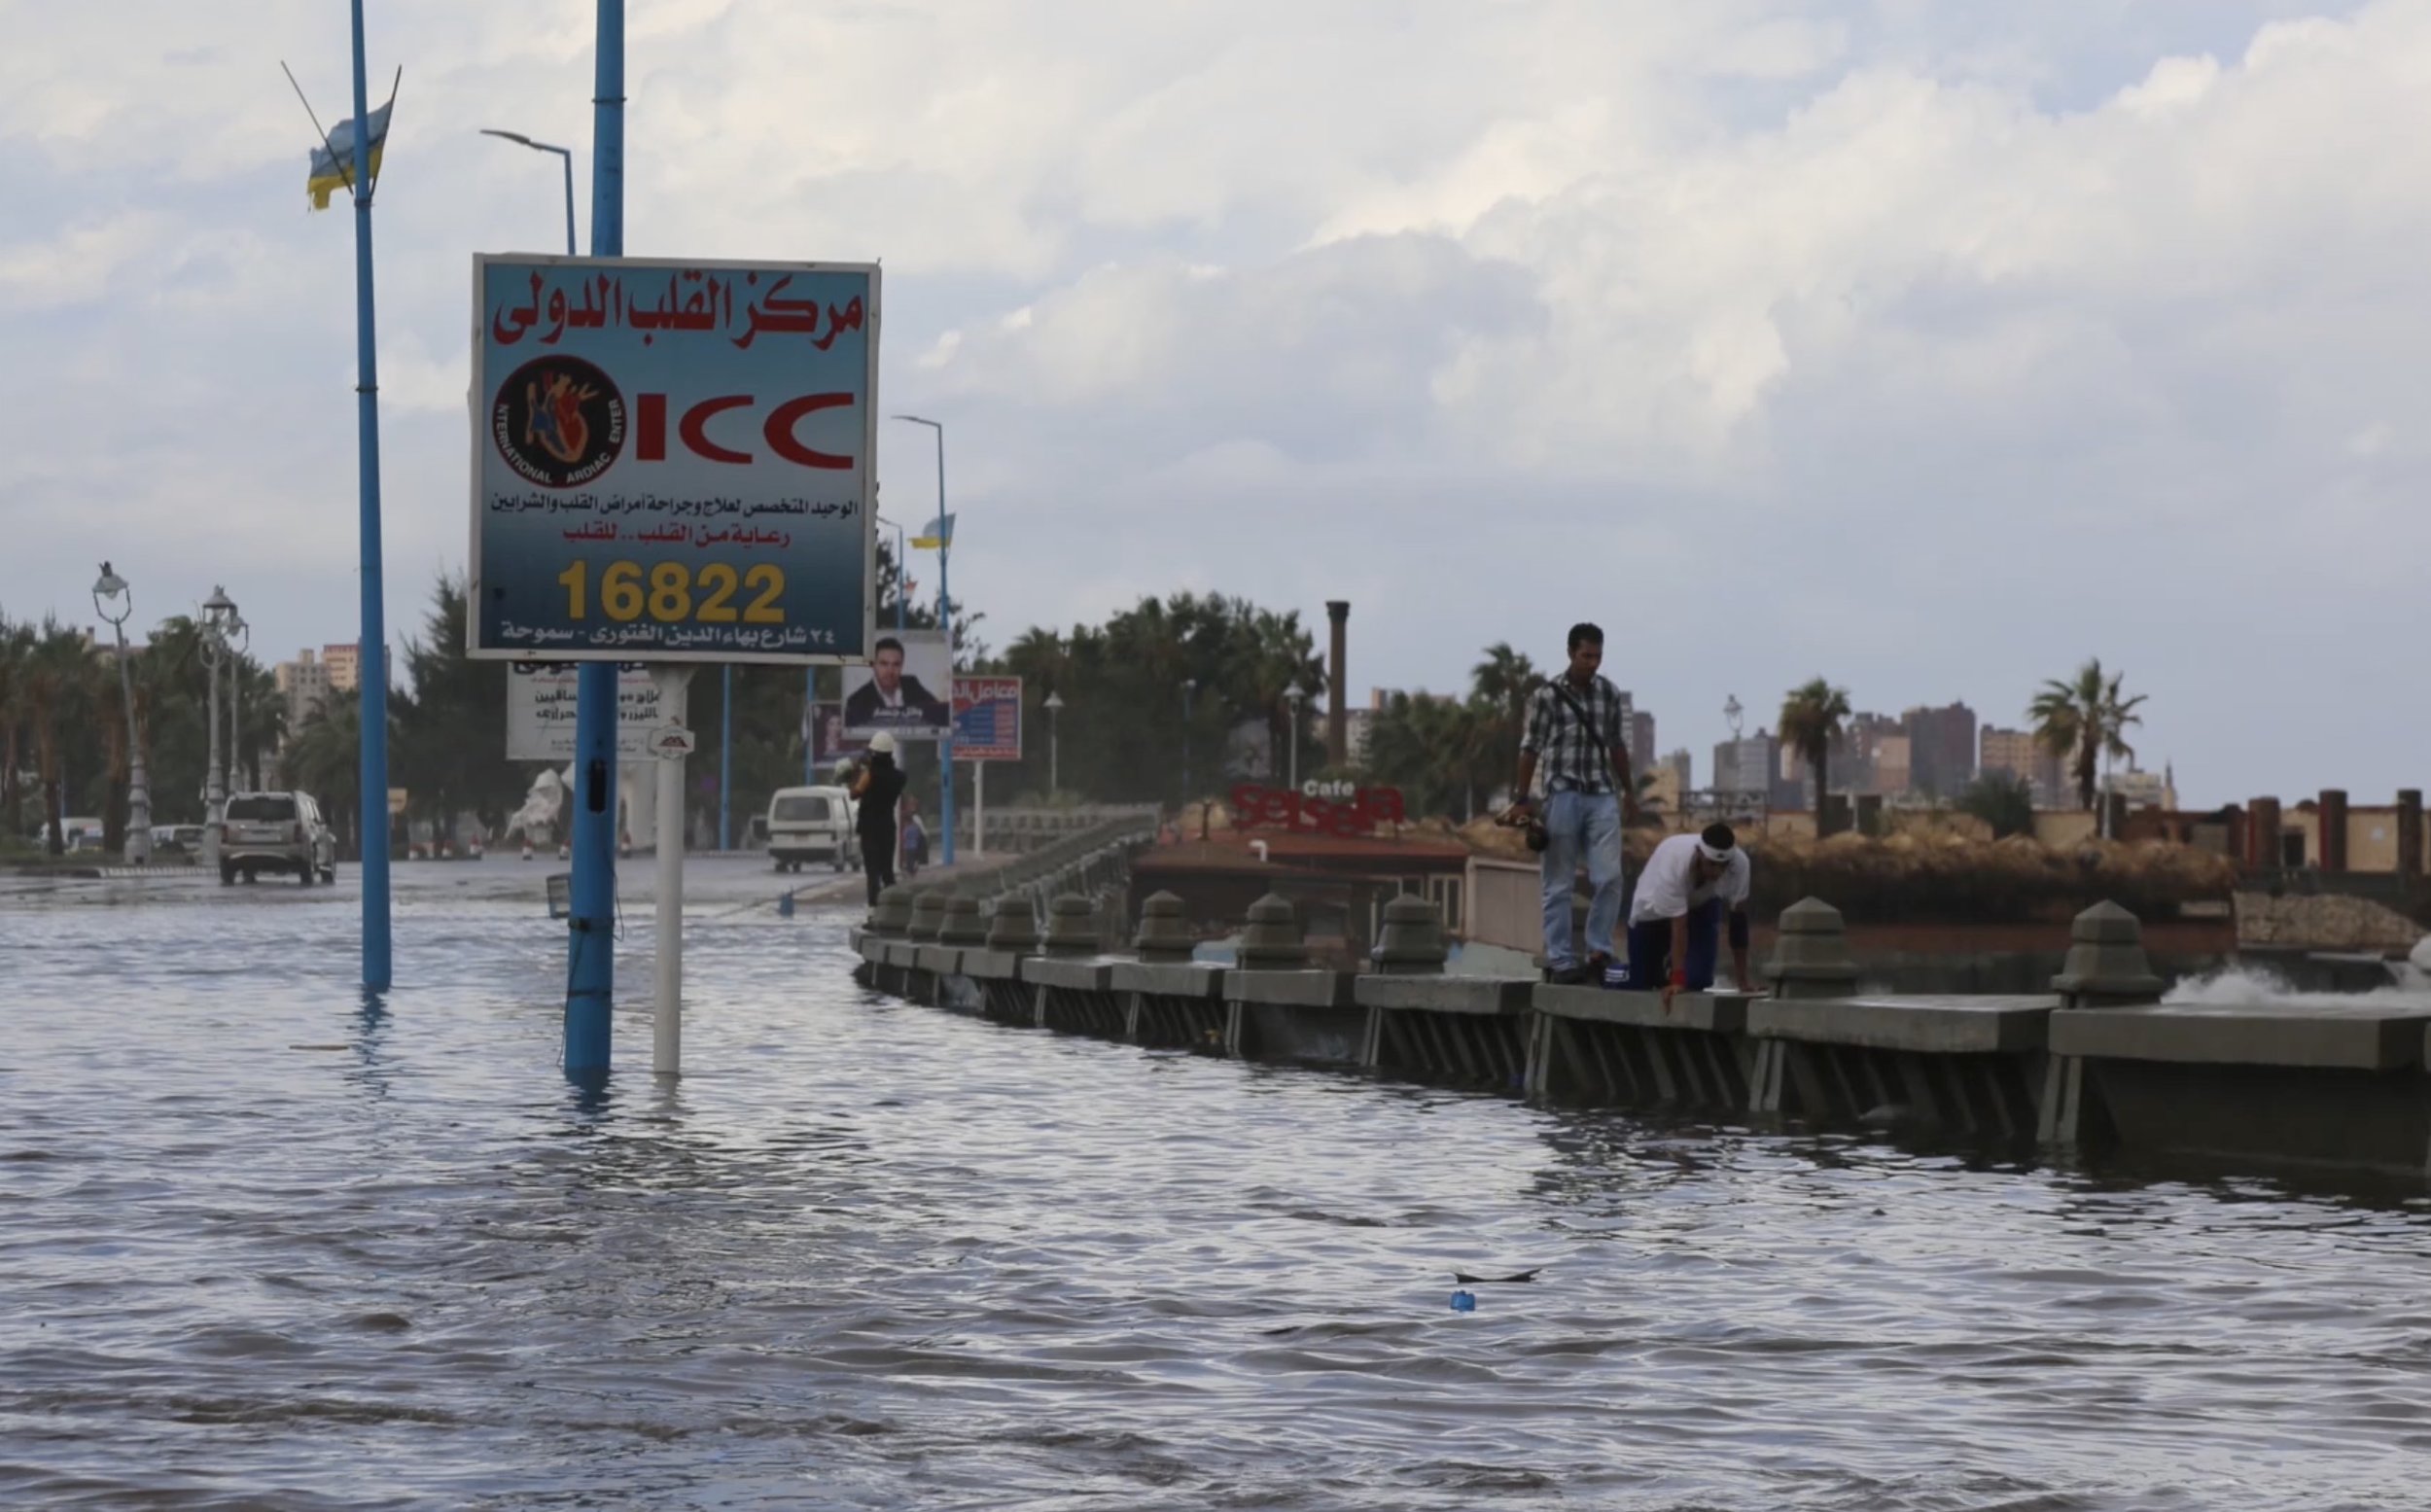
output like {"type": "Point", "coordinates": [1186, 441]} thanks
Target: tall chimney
{"type": "Point", "coordinates": [1337, 723]}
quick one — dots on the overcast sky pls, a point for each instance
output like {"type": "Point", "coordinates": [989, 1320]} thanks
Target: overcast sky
{"type": "Point", "coordinates": [1929, 346]}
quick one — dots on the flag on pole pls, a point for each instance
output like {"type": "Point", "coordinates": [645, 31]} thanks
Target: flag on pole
{"type": "Point", "coordinates": [936, 534]}
{"type": "Point", "coordinates": [334, 165]}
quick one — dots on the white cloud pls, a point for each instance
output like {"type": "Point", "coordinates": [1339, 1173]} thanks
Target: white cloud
{"type": "Point", "coordinates": [1952, 338]}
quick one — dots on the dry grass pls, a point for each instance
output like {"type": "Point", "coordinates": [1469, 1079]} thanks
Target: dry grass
{"type": "Point", "coordinates": [1946, 875]}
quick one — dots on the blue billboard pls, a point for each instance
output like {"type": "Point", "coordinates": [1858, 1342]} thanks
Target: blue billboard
{"type": "Point", "coordinates": [672, 460]}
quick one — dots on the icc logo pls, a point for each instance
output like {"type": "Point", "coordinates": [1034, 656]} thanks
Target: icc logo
{"type": "Point", "coordinates": [558, 421]}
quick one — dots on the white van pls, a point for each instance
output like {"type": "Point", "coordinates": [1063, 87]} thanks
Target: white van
{"type": "Point", "coordinates": [811, 823]}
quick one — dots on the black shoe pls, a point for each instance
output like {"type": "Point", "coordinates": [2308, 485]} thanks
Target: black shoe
{"type": "Point", "coordinates": [1570, 976]}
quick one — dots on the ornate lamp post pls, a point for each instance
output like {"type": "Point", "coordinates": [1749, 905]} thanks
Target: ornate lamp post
{"type": "Point", "coordinates": [111, 593]}
{"type": "Point", "coordinates": [219, 613]}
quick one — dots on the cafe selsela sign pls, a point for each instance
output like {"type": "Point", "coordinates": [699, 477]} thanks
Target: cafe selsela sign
{"type": "Point", "coordinates": [1335, 808]}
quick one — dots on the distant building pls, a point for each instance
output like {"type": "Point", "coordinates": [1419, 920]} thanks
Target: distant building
{"type": "Point", "coordinates": [2147, 790]}
{"type": "Point", "coordinates": [345, 664]}
{"type": "Point", "coordinates": [1682, 766]}
{"type": "Point", "coordinates": [2018, 754]}
{"type": "Point", "coordinates": [1641, 741]}
{"type": "Point", "coordinates": [306, 684]}
{"type": "Point", "coordinates": [1747, 765]}
{"type": "Point", "coordinates": [1941, 749]}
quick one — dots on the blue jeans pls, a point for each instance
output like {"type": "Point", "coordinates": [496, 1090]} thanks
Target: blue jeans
{"type": "Point", "coordinates": [1650, 950]}
{"type": "Point", "coordinates": [1593, 822]}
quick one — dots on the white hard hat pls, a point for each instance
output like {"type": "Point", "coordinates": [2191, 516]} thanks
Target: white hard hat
{"type": "Point", "coordinates": [882, 744]}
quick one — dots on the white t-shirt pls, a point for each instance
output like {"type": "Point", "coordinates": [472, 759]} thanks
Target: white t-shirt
{"type": "Point", "coordinates": [1666, 889]}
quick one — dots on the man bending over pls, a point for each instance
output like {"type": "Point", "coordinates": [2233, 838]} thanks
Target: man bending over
{"type": "Point", "coordinates": [1676, 921]}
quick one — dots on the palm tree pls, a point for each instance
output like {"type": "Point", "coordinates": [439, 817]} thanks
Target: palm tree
{"type": "Point", "coordinates": [1506, 680]}
{"type": "Point", "coordinates": [1812, 717]}
{"type": "Point", "coordinates": [2084, 720]}
{"type": "Point", "coordinates": [17, 646]}
{"type": "Point", "coordinates": [324, 760]}
{"type": "Point", "coordinates": [57, 672]}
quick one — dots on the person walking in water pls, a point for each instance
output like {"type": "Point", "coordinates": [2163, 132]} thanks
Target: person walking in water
{"type": "Point", "coordinates": [1575, 736]}
{"type": "Point", "coordinates": [875, 793]}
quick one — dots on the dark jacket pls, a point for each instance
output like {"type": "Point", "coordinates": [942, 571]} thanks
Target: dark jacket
{"type": "Point", "coordinates": [880, 789]}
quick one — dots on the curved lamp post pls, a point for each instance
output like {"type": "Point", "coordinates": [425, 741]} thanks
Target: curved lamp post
{"type": "Point", "coordinates": [111, 593]}
{"type": "Point", "coordinates": [1054, 707]}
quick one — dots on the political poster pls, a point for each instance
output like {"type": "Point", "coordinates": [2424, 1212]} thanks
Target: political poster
{"type": "Point", "coordinates": [672, 459]}
{"type": "Point", "coordinates": [829, 743]}
{"type": "Point", "coordinates": [987, 719]}
{"type": "Point", "coordinates": [903, 691]}
{"type": "Point", "coordinates": [540, 713]}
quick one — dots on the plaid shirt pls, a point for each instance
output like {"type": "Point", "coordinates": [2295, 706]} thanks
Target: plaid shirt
{"type": "Point", "coordinates": [1567, 752]}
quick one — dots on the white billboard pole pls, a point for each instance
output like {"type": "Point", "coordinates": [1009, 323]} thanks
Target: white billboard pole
{"type": "Point", "coordinates": [672, 741]}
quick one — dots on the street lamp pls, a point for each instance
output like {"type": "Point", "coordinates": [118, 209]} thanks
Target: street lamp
{"type": "Point", "coordinates": [1296, 696]}
{"type": "Point", "coordinates": [565, 154]}
{"type": "Point", "coordinates": [1055, 745]}
{"type": "Point", "coordinates": [218, 612]}
{"type": "Point", "coordinates": [111, 591]}
{"type": "Point", "coordinates": [241, 642]}
{"type": "Point", "coordinates": [945, 623]}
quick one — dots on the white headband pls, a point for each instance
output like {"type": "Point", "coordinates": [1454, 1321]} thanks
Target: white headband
{"type": "Point", "coordinates": [1711, 853]}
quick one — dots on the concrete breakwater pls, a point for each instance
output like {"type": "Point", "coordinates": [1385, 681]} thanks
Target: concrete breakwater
{"type": "Point", "coordinates": [2097, 1065]}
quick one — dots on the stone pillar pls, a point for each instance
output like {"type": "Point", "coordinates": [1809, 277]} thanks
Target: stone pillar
{"type": "Point", "coordinates": [1272, 939]}
{"type": "Point", "coordinates": [1337, 712]}
{"type": "Point", "coordinates": [1412, 943]}
{"type": "Point", "coordinates": [2106, 965]}
{"type": "Point", "coordinates": [1810, 955]}
{"type": "Point", "coordinates": [2333, 841]}
{"type": "Point", "coordinates": [2410, 832]}
{"type": "Point", "coordinates": [1163, 938]}
{"type": "Point", "coordinates": [2262, 834]}
{"type": "Point", "coordinates": [927, 915]}
{"type": "Point", "coordinates": [1071, 927]}
{"type": "Point", "coordinates": [964, 923]}
{"type": "Point", "coordinates": [892, 918]}
{"type": "Point", "coordinates": [1015, 929]}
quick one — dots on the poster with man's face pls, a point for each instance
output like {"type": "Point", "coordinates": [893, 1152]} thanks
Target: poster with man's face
{"type": "Point", "coordinates": [905, 691]}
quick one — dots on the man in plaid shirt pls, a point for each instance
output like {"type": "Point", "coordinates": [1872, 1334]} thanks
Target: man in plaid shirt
{"type": "Point", "coordinates": [1574, 732]}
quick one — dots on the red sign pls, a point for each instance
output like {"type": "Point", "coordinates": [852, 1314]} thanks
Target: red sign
{"type": "Point", "coordinates": [1318, 808]}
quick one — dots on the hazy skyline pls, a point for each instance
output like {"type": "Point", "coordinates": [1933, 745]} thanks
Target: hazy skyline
{"type": "Point", "coordinates": [1930, 348]}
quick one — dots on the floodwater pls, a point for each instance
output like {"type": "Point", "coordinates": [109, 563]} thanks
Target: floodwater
{"type": "Point", "coordinates": [263, 1247]}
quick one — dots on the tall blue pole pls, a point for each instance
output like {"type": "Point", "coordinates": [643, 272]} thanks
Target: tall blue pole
{"type": "Point", "coordinates": [591, 966]}
{"type": "Point", "coordinates": [372, 657]}
{"type": "Point", "coordinates": [726, 759]}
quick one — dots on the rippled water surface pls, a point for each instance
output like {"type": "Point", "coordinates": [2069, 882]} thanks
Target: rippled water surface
{"type": "Point", "coordinates": [261, 1246]}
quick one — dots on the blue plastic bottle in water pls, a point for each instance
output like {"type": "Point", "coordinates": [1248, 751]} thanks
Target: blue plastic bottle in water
{"type": "Point", "coordinates": [1464, 1301]}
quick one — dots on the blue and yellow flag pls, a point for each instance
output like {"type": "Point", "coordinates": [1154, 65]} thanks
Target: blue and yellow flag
{"type": "Point", "coordinates": [937, 534]}
{"type": "Point", "coordinates": [334, 165]}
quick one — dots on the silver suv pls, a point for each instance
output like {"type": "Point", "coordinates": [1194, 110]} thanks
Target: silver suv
{"type": "Point", "coordinates": [279, 832]}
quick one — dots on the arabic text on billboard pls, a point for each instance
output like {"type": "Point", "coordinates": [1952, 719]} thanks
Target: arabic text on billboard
{"type": "Point", "coordinates": [670, 461]}
{"type": "Point", "coordinates": [540, 713]}
{"type": "Point", "coordinates": [987, 719]}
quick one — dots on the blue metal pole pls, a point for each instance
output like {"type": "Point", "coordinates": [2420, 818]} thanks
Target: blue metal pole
{"type": "Point", "coordinates": [372, 658]}
{"type": "Point", "coordinates": [591, 966]}
{"type": "Point", "coordinates": [726, 759]}
{"type": "Point", "coordinates": [945, 619]}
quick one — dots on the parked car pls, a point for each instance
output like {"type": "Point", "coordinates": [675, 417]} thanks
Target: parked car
{"type": "Point", "coordinates": [276, 832]}
{"type": "Point", "coordinates": [177, 840]}
{"type": "Point", "coordinates": [811, 823]}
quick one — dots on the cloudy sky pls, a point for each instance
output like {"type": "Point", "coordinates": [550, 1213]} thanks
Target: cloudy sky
{"type": "Point", "coordinates": [1930, 346]}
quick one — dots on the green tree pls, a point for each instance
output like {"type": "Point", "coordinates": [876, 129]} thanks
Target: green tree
{"type": "Point", "coordinates": [451, 722]}
{"type": "Point", "coordinates": [1812, 716]}
{"type": "Point", "coordinates": [2082, 720]}
{"type": "Point", "coordinates": [2003, 800]}
{"type": "Point", "coordinates": [324, 760]}
{"type": "Point", "coordinates": [17, 648]}
{"type": "Point", "coordinates": [57, 692]}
